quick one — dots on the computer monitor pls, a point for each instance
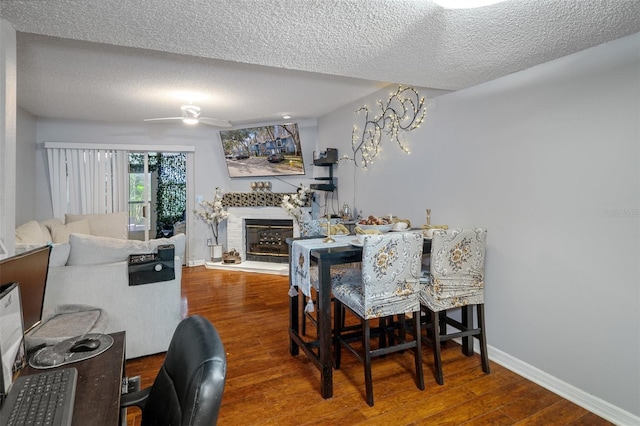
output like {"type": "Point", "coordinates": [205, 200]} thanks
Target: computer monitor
{"type": "Point", "coordinates": [30, 269]}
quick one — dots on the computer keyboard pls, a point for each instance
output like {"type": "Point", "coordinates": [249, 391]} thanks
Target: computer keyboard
{"type": "Point", "coordinates": [45, 398]}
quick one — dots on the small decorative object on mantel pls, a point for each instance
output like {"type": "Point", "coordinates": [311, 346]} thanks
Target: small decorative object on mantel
{"type": "Point", "coordinates": [231, 256]}
{"type": "Point", "coordinates": [261, 186]}
{"type": "Point", "coordinates": [214, 214]}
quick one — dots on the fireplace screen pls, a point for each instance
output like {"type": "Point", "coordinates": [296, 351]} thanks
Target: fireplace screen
{"type": "Point", "coordinates": [267, 239]}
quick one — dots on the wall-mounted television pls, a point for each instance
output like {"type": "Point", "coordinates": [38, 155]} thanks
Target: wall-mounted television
{"type": "Point", "coordinates": [263, 151]}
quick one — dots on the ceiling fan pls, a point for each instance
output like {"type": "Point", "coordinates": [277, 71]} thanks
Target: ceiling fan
{"type": "Point", "coordinates": [191, 115]}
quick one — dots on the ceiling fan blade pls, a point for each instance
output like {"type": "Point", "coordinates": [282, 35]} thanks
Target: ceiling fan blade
{"type": "Point", "coordinates": [163, 119]}
{"type": "Point", "coordinates": [214, 122]}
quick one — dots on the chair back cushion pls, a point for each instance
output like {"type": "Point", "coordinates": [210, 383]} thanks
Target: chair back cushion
{"type": "Point", "coordinates": [188, 389]}
{"type": "Point", "coordinates": [391, 273]}
{"type": "Point", "coordinates": [311, 228]}
{"type": "Point", "coordinates": [457, 269]}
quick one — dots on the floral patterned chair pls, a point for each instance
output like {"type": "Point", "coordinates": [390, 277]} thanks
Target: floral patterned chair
{"type": "Point", "coordinates": [388, 285]}
{"type": "Point", "coordinates": [314, 228]}
{"type": "Point", "coordinates": [455, 280]}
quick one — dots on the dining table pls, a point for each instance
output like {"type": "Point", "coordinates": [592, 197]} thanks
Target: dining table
{"type": "Point", "coordinates": [314, 250]}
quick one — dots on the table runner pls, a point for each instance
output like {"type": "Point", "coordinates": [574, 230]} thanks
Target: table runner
{"type": "Point", "coordinates": [299, 264]}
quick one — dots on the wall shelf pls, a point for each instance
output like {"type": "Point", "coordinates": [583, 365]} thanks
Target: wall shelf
{"type": "Point", "coordinates": [328, 158]}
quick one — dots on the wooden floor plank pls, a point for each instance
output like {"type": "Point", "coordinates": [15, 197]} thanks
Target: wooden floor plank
{"type": "Point", "coordinates": [267, 386]}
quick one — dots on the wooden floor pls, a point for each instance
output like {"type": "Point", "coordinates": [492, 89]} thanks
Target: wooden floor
{"type": "Point", "coordinates": [267, 386]}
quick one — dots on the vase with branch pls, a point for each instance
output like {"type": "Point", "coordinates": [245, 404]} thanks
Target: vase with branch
{"type": "Point", "coordinates": [213, 214]}
{"type": "Point", "coordinates": [293, 204]}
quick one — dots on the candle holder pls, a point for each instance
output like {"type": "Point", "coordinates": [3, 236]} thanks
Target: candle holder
{"type": "Point", "coordinates": [328, 239]}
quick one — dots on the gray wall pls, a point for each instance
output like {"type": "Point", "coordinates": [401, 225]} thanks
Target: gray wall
{"type": "Point", "coordinates": [548, 161]}
{"type": "Point", "coordinates": [209, 167]}
{"type": "Point", "coordinates": [26, 192]}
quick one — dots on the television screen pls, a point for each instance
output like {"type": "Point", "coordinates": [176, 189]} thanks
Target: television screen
{"type": "Point", "coordinates": [263, 151]}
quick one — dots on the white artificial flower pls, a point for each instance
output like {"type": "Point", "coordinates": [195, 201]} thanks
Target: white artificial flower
{"type": "Point", "coordinates": [213, 212]}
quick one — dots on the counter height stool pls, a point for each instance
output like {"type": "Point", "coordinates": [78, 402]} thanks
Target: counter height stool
{"type": "Point", "coordinates": [455, 280]}
{"type": "Point", "coordinates": [313, 228]}
{"type": "Point", "coordinates": [388, 285]}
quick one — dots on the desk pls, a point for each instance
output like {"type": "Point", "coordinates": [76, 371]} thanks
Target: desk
{"type": "Point", "coordinates": [99, 385]}
{"type": "Point", "coordinates": [325, 258]}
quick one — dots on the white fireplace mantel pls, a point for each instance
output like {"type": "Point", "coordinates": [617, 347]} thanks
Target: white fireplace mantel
{"type": "Point", "coordinates": [236, 234]}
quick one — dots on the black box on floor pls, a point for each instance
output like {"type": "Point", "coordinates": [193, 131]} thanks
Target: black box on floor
{"type": "Point", "coordinates": [150, 268]}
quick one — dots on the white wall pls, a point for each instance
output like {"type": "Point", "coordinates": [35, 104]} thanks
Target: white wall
{"type": "Point", "coordinates": [209, 170]}
{"type": "Point", "coordinates": [26, 188]}
{"type": "Point", "coordinates": [8, 85]}
{"type": "Point", "coordinates": [548, 161]}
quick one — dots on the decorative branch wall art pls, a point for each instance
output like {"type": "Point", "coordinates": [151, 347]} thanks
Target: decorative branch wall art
{"type": "Point", "coordinates": [403, 111]}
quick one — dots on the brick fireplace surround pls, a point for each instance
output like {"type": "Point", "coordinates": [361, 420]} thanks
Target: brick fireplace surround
{"type": "Point", "coordinates": [243, 206]}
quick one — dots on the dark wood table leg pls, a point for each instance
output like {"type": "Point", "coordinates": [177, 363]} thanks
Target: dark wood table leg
{"type": "Point", "coordinates": [294, 322]}
{"type": "Point", "coordinates": [467, 321]}
{"type": "Point", "coordinates": [324, 328]}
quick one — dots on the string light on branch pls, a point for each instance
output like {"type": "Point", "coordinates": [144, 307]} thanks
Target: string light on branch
{"type": "Point", "coordinates": [403, 112]}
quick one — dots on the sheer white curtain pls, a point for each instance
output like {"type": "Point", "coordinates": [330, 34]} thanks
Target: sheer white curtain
{"type": "Point", "coordinates": [88, 181]}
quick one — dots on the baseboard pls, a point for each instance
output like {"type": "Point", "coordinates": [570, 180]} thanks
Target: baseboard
{"type": "Point", "coordinates": [251, 266]}
{"type": "Point", "coordinates": [579, 397]}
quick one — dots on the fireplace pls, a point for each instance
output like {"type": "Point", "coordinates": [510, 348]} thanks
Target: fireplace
{"type": "Point", "coordinates": [266, 239]}
{"type": "Point", "coordinates": [236, 230]}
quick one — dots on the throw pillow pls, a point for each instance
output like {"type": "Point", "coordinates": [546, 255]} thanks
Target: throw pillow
{"type": "Point", "coordinates": [112, 225]}
{"type": "Point", "coordinates": [30, 233]}
{"type": "Point", "coordinates": [60, 233]}
{"type": "Point", "coordinates": [45, 227]}
{"type": "Point", "coordinates": [59, 254]}
{"type": "Point", "coordinates": [93, 250]}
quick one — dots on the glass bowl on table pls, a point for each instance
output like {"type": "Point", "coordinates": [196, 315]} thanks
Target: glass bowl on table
{"type": "Point", "coordinates": [373, 225]}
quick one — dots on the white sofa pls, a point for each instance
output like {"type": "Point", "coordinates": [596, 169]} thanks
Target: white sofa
{"type": "Point", "coordinates": [92, 270]}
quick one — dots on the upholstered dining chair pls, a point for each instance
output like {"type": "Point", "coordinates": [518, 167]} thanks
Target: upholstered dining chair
{"type": "Point", "coordinates": [388, 285]}
{"type": "Point", "coordinates": [455, 279]}
{"type": "Point", "coordinates": [314, 228]}
{"type": "Point", "coordinates": [188, 388]}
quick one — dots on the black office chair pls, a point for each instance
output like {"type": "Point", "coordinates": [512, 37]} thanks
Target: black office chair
{"type": "Point", "coordinates": [188, 388]}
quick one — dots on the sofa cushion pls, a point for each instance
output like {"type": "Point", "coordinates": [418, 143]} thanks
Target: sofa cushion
{"type": "Point", "coordinates": [30, 233]}
{"type": "Point", "coordinates": [94, 250]}
{"type": "Point", "coordinates": [113, 225]}
{"type": "Point", "coordinates": [59, 254]}
{"type": "Point", "coordinates": [45, 227]}
{"type": "Point", "coordinates": [60, 233]}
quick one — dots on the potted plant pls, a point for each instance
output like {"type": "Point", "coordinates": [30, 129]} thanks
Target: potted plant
{"type": "Point", "coordinates": [213, 213]}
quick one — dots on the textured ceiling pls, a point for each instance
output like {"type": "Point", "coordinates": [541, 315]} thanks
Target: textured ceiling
{"type": "Point", "coordinates": [254, 60]}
